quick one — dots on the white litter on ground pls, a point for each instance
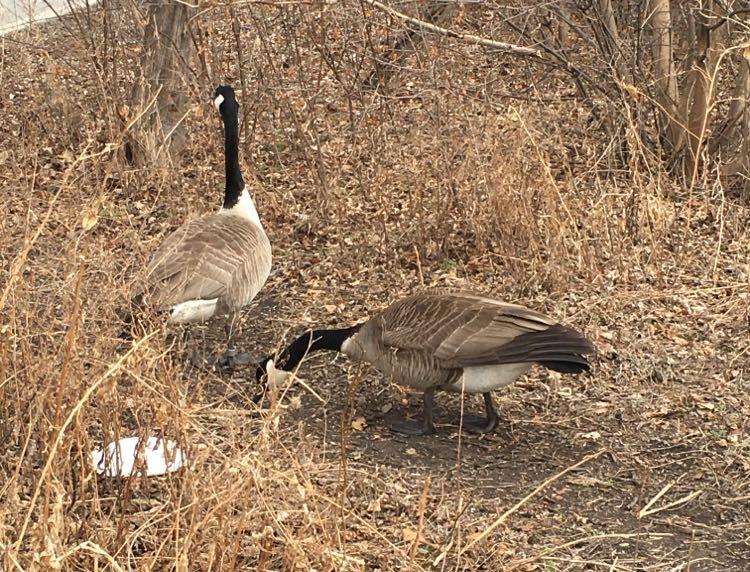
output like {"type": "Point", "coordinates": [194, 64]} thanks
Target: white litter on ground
{"type": "Point", "coordinates": [129, 456]}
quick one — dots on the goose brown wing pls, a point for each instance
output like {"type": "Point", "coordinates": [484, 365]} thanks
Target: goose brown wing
{"type": "Point", "coordinates": [466, 329]}
{"type": "Point", "coordinates": [204, 259]}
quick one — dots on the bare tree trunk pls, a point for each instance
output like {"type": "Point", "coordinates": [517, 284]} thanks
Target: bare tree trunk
{"type": "Point", "coordinates": [723, 134]}
{"type": "Point", "coordinates": [719, 35]}
{"type": "Point", "coordinates": [160, 94]}
{"type": "Point", "coordinates": [740, 122]}
{"type": "Point", "coordinates": [695, 97]}
{"type": "Point", "coordinates": [675, 65]}
{"type": "Point", "coordinates": [607, 15]}
{"type": "Point", "coordinates": [666, 79]}
{"type": "Point", "coordinates": [563, 28]}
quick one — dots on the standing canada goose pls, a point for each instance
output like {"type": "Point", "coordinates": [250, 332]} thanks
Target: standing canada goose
{"type": "Point", "coordinates": [443, 340]}
{"type": "Point", "coordinates": [216, 264]}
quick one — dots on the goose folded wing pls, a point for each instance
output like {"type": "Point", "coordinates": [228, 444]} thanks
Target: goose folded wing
{"type": "Point", "coordinates": [216, 257]}
{"type": "Point", "coordinates": [556, 344]}
{"type": "Point", "coordinates": [471, 330]}
{"type": "Point", "coordinates": [184, 267]}
{"type": "Point", "coordinates": [183, 277]}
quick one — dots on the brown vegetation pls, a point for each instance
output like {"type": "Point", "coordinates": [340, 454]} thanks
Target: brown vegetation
{"type": "Point", "coordinates": [468, 167]}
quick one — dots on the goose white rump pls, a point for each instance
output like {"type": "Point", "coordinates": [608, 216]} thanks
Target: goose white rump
{"type": "Point", "coordinates": [193, 311]}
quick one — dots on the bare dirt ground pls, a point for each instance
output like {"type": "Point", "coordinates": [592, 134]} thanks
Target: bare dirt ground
{"type": "Point", "coordinates": [440, 178]}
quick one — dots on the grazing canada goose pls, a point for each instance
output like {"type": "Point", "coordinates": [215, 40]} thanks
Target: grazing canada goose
{"type": "Point", "coordinates": [216, 264]}
{"type": "Point", "coordinates": [443, 340]}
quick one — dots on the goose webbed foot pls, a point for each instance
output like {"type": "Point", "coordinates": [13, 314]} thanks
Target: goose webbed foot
{"type": "Point", "coordinates": [228, 360]}
{"type": "Point", "coordinates": [482, 425]}
{"type": "Point", "coordinates": [479, 425]}
{"type": "Point", "coordinates": [424, 427]}
{"type": "Point", "coordinates": [412, 428]}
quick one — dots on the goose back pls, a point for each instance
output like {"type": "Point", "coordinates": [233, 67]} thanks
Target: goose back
{"type": "Point", "coordinates": [459, 328]}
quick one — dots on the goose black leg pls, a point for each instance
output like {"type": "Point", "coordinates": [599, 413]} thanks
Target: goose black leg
{"type": "Point", "coordinates": [425, 427]}
{"type": "Point", "coordinates": [230, 358]}
{"type": "Point", "coordinates": [227, 358]}
{"type": "Point", "coordinates": [487, 425]}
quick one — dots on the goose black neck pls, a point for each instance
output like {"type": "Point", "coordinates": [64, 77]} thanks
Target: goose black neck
{"type": "Point", "coordinates": [313, 341]}
{"type": "Point", "coordinates": [234, 182]}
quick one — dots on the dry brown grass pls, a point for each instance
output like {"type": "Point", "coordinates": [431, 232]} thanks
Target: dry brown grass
{"type": "Point", "coordinates": [438, 179]}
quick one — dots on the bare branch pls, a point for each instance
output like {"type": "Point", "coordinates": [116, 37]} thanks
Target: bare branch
{"type": "Point", "coordinates": [558, 59]}
{"type": "Point", "coordinates": [612, 38]}
{"type": "Point", "coordinates": [468, 38]}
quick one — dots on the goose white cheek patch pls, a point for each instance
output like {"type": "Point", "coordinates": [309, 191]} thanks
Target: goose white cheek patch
{"type": "Point", "coordinates": [276, 377]}
{"type": "Point", "coordinates": [218, 100]}
{"type": "Point", "coordinates": [129, 456]}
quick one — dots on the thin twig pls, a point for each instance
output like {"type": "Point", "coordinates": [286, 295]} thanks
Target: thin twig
{"type": "Point", "coordinates": [650, 503]}
{"type": "Point", "coordinates": [503, 517]}
{"type": "Point", "coordinates": [93, 388]}
{"type": "Point", "coordinates": [20, 260]}
{"type": "Point", "coordinates": [420, 521]}
{"type": "Point", "coordinates": [576, 542]}
{"type": "Point", "coordinates": [673, 504]}
{"type": "Point", "coordinates": [468, 38]}
{"type": "Point", "coordinates": [93, 548]}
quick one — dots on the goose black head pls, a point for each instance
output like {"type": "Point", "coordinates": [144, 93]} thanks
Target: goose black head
{"type": "Point", "coordinates": [225, 101]}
